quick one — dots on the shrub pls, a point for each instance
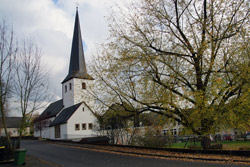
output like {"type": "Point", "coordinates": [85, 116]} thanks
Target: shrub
{"type": "Point", "coordinates": [152, 137]}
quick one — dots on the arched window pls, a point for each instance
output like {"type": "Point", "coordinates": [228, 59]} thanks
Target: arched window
{"type": "Point", "coordinates": [83, 85]}
{"type": "Point", "coordinates": [65, 88]}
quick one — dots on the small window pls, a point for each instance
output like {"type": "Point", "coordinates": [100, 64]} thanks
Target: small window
{"type": "Point", "coordinates": [83, 126]}
{"type": "Point", "coordinates": [175, 132]}
{"type": "Point", "coordinates": [165, 132]}
{"type": "Point", "coordinates": [83, 109]}
{"type": "Point", "coordinates": [90, 126]}
{"type": "Point", "coordinates": [70, 86]}
{"type": "Point", "coordinates": [65, 88]}
{"type": "Point", "coordinates": [77, 127]}
{"type": "Point", "coordinates": [83, 85]}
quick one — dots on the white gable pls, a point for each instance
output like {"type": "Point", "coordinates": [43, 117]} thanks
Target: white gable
{"type": "Point", "coordinates": [81, 116]}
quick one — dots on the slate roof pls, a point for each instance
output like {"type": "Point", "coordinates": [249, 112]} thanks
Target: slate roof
{"type": "Point", "coordinates": [77, 67]}
{"type": "Point", "coordinates": [51, 111]}
{"type": "Point", "coordinates": [64, 116]}
{"type": "Point", "coordinates": [11, 122]}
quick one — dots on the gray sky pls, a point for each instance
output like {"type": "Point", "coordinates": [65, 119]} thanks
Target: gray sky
{"type": "Point", "coordinates": [50, 24]}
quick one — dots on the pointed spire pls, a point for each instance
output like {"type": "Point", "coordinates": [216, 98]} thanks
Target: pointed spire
{"type": "Point", "coordinates": [77, 66]}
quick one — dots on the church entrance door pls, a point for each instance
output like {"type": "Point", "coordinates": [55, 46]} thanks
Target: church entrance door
{"type": "Point", "coordinates": [57, 131]}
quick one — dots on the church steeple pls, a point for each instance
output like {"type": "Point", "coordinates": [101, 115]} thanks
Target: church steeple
{"type": "Point", "coordinates": [77, 67]}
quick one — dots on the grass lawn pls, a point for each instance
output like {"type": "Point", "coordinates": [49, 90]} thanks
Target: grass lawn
{"type": "Point", "coordinates": [227, 145]}
{"type": "Point", "coordinates": [235, 145]}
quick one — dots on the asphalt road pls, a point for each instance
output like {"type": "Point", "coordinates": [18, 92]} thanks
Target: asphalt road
{"type": "Point", "coordinates": [76, 157]}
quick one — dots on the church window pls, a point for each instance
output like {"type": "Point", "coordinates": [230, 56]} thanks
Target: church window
{"type": "Point", "coordinates": [90, 126]}
{"type": "Point", "coordinates": [70, 86]}
{"type": "Point", "coordinates": [65, 88]}
{"type": "Point", "coordinates": [77, 127]}
{"type": "Point", "coordinates": [83, 85]}
{"type": "Point", "coordinates": [83, 126]}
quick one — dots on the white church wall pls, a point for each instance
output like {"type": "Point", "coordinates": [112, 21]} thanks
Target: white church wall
{"type": "Point", "coordinates": [64, 131]}
{"type": "Point", "coordinates": [81, 117]}
{"type": "Point", "coordinates": [36, 134]}
{"type": "Point", "coordinates": [52, 132]}
{"type": "Point", "coordinates": [80, 92]}
{"type": "Point", "coordinates": [68, 94]}
{"type": "Point", "coordinates": [46, 133]}
{"type": "Point", "coordinates": [43, 128]}
{"type": "Point", "coordinates": [75, 93]}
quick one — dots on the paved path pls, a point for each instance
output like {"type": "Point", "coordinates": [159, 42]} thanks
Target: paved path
{"type": "Point", "coordinates": [60, 155]}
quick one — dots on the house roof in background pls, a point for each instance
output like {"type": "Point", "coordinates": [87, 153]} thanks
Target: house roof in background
{"type": "Point", "coordinates": [64, 116]}
{"type": "Point", "coordinates": [119, 110]}
{"type": "Point", "coordinates": [51, 111]}
{"type": "Point", "coordinates": [11, 122]}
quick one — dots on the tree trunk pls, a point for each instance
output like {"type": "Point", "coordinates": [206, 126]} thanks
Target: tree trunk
{"type": "Point", "coordinates": [5, 128]}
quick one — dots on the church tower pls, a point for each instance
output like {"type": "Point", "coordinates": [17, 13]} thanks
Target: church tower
{"type": "Point", "coordinates": [76, 82]}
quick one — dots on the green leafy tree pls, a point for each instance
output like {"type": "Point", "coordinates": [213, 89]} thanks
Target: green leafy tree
{"type": "Point", "coordinates": [187, 60]}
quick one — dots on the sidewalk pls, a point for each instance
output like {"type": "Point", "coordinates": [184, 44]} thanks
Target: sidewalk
{"type": "Point", "coordinates": [32, 162]}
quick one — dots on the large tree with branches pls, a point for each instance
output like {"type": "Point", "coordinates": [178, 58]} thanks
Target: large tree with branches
{"type": "Point", "coordinates": [8, 50]}
{"type": "Point", "coordinates": [31, 81]}
{"type": "Point", "coordinates": [23, 78]}
{"type": "Point", "coordinates": [187, 60]}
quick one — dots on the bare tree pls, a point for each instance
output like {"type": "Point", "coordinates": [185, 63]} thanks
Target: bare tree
{"type": "Point", "coordinates": [185, 60]}
{"type": "Point", "coordinates": [118, 125]}
{"type": "Point", "coordinates": [31, 81]}
{"type": "Point", "coordinates": [40, 126]}
{"type": "Point", "coordinates": [7, 57]}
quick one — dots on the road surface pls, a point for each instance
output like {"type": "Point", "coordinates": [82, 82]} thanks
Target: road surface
{"type": "Point", "coordinates": [76, 157]}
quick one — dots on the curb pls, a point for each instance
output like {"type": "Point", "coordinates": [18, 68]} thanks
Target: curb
{"type": "Point", "coordinates": [7, 162]}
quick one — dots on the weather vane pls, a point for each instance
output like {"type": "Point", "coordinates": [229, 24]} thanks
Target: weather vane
{"type": "Point", "coordinates": [77, 4]}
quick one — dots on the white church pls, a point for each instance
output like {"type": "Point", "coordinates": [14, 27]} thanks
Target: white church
{"type": "Point", "coordinates": [71, 117]}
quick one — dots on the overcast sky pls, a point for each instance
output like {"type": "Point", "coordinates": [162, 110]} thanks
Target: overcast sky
{"type": "Point", "coordinates": [50, 24]}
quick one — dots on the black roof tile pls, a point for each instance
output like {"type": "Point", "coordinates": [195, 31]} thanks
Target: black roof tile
{"type": "Point", "coordinates": [65, 115]}
{"type": "Point", "coordinates": [51, 111]}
